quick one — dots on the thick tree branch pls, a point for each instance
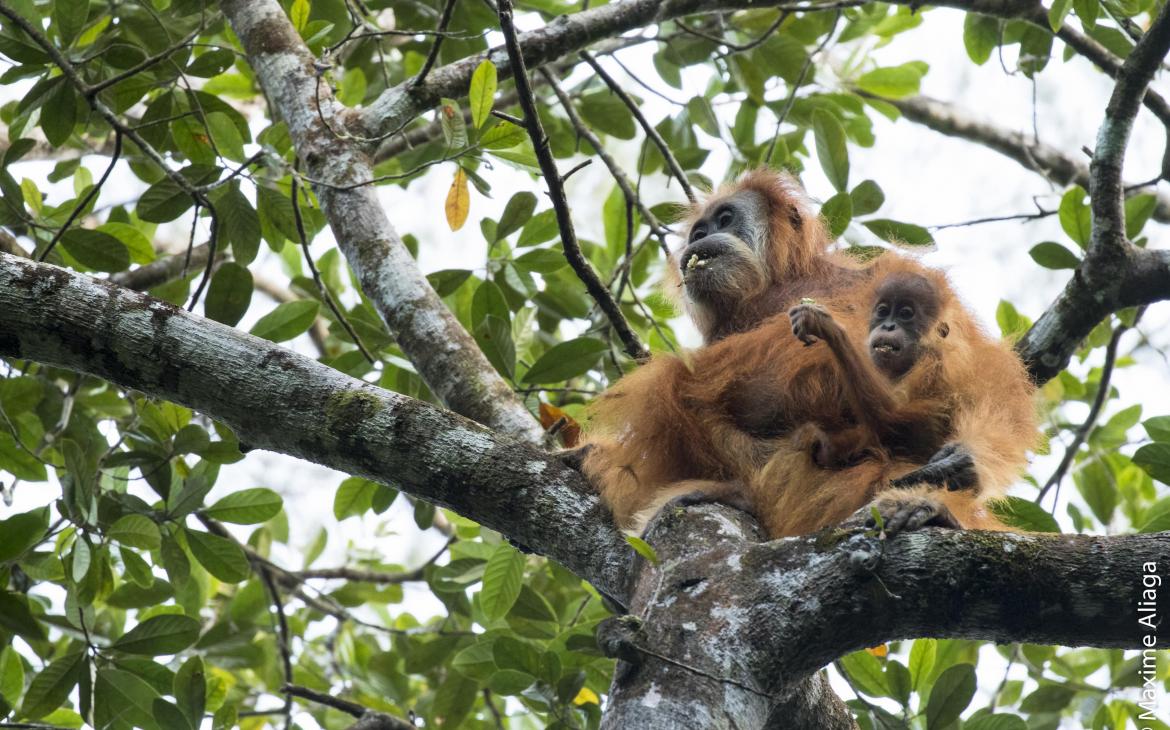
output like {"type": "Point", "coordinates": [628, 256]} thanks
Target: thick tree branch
{"type": "Point", "coordinates": [444, 354]}
{"type": "Point", "coordinates": [726, 632]}
{"type": "Point", "coordinates": [278, 400]}
{"type": "Point", "coordinates": [1048, 161]}
{"type": "Point", "coordinates": [1114, 273]}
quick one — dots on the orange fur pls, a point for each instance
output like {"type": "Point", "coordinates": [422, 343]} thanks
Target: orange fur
{"type": "Point", "coordinates": [727, 420]}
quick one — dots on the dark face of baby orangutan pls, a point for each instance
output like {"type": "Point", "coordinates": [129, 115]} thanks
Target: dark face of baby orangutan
{"type": "Point", "coordinates": [907, 305]}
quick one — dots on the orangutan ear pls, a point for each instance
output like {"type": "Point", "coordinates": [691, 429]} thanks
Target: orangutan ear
{"type": "Point", "coordinates": [944, 329]}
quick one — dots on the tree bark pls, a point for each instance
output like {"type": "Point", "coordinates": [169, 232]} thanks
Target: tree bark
{"type": "Point", "coordinates": [444, 354]}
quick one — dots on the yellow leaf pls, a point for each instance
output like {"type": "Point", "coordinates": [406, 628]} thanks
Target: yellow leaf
{"type": "Point", "coordinates": [879, 651]}
{"type": "Point", "coordinates": [458, 201]}
{"type": "Point", "coordinates": [586, 696]}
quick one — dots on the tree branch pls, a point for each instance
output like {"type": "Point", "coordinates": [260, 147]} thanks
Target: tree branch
{"type": "Point", "coordinates": [444, 354]}
{"type": "Point", "coordinates": [1114, 273]}
{"type": "Point", "coordinates": [556, 191]}
{"type": "Point", "coordinates": [278, 400]}
{"type": "Point", "coordinates": [731, 610]}
{"type": "Point", "coordinates": [1046, 160]}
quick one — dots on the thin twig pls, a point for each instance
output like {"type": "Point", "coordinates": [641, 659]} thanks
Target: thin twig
{"type": "Point", "coordinates": [995, 219]}
{"type": "Point", "coordinates": [647, 127]}
{"type": "Point", "coordinates": [299, 220]}
{"type": "Point", "coordinates": [89, 196]}
{"type": "Point", "coordinates": [349, 708]}
{"type": "Point", "coordinates": [556, 190]}
{"type": "Point", "coordinates": [375, 576]}
{"type": "Point", "coordinates": [1082, 433]}
{"type": "Point", "coordinates": [737, 47]}
{"type": "Point", "coordinates": [444, 19]}
{"type": "Point", "coordinates": [282, 640]}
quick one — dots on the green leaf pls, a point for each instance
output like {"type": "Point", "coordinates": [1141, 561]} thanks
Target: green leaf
{"type": "Point", "coordinates": [894, 82]}
{"type": "Point", "coordinates": [122, 699]}
{"type": "Point", "coordinates": [1158, 428]}
{"type": "Point", "coordinates": [865, 673]}
{"type": "Point", "coordinates": [169, 716]}
{"type": "Point", "coordinates": [1058, 12]}
{"type": "Point", "coordinates": [477, 661]}
{"type": "Point", "coordinates": [220, 556]}
{"type": "Point", "coordinates": [226, 137]}
{"type": "Point", "coordinates": [900, 233]}
{"type": "Point", "coordinates": [21, 532]}
{"type": "Point", "coordinates": [483, 92]}
{"type": "Point", "coordinates": [540, 228]}
{"type": "Point", "coordinates": [191, 439]}
{"type": "Point", "coordinates": [1138, 210]}
{"type": "Point", "coordinates": [1095, 481]}
{"type": "Point", "coordinates": [980, 36]}
{"type": "Point", "coordinates": [502, 136]}
{"type": "Point", "coordinates": [163, 202]}
{"type": "Point", "coordinates": [20, 393]}
{"type": "Point", "coordinates": [517, 212]}
{"type": "Point", "coordinates": [11, 675]}
{"type": "Point", "coordinates": [239, 223]}
{"type": "Point", "coordinates": [643, 548]}
{"type": "Point", "coordinates": [299, 14]}
{"type": "Point", "coordinates": [452, 124]}
{"type": "Point", "coordinates": [15, 616]}
{"type": "Point", "coordinates": [16, 459]}
{"type": "Point", "coordinates": [566, 360]}
{"type": "Point", "coordinates": [135, 241]}
{"type": "Point", "coordinates": [445, 282]}
{"type": "Point", "coordinates": [951, 694]}
{"type": "Point", "coordinates": [1075, 217]}
{"type": "Point", "coordinates": [69, 18]}
{"type": "Point", "coordinates": [541, 261]}
{"type": "Point", "coordinates": [59, 113]}
{"type": "Point", "coordinates": [96, 250]}
{"type": "Point", "coordinates": [1052, 255]}
{"type": "Point", "coordinates": [52, 686]}
{"type": "Point", "coordinates": [606, 113]}
{"type": "Point", "coordinates": [867, 197]}
{"type": "Point", "coordinates": [354, 497]}
{"type": "Point", "coordinates": [831, 149]}
{"type": "Point", "coordinates": [136, 531]}
{"type": "Point", "coordinates": [922, 656]}
{"type": "Point", "coordinates": [700, 111]}
{"type": "Point", "coordinates": [995, 722]}
{"type": "Point", "coordinates": [838, 211]}
{"type": "Point", "coordinates": [1048, 698]}
{"type": "Point", "coordinates": [229, 294]}
{"type": "Point", "coordinates": [502, 579]}
{"type": "Point", "coordinates": [489, 300]}
{"type": "Point", "coordinates": [494, 337]}
{"type": "Point", "coordinates": [507, 682]}
{"type": "Point", "coordinates": [246, 507]}
{"type": "Point", "coordinates": [80, 559]}
{"type": "Point", "coordinates": [167, 633]}
{"type": "Point", "coordinates": [1023, 514]}
{"type": "Point", "coordinates": [287, 321]}
{"type": "Point", "coordinates": [1154, 459]}
{"type": "Point", "coordinates": [190, 689]}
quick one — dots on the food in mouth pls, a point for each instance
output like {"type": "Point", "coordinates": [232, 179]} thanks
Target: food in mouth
{"type": "Point", "coordinates": [694, 262]}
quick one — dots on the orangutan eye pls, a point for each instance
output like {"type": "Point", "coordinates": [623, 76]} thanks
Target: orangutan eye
{"type": "Point", "coordinates": [906, 314]}
{"type": "Point", "coordinates": [881, 311]}
{"type": "Point", "coordinates": [726, 218]}
{"type": "Point", "coordinates": [697, 233]}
